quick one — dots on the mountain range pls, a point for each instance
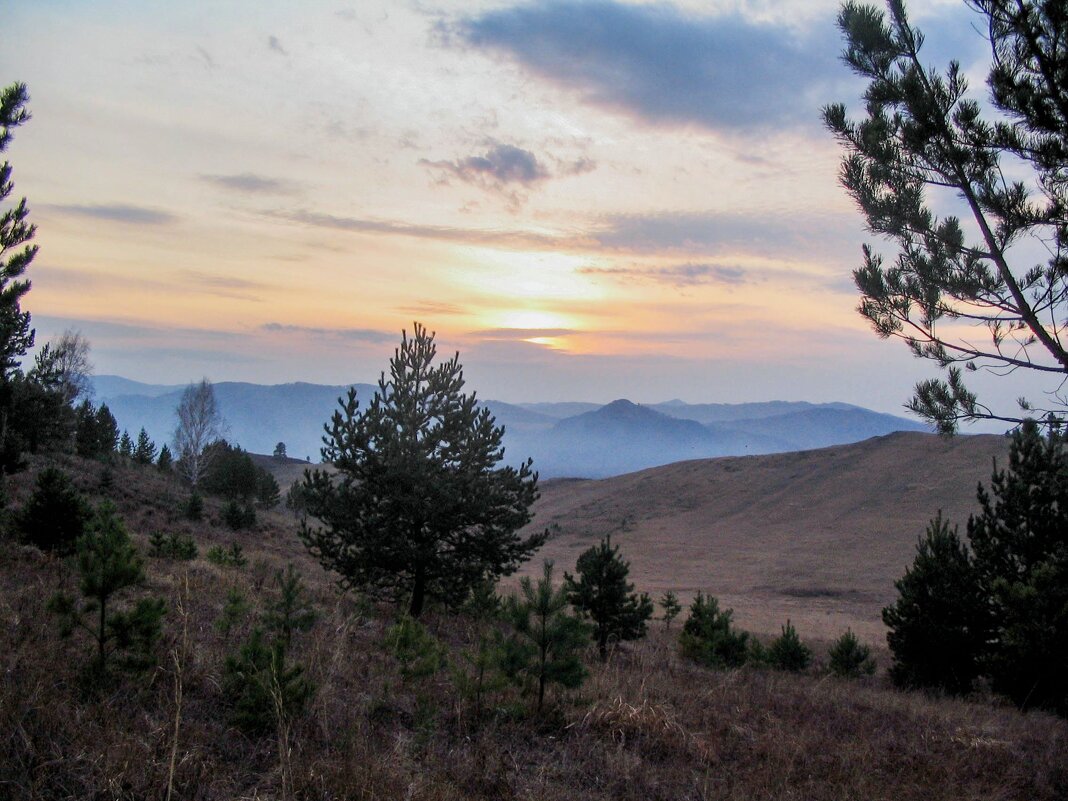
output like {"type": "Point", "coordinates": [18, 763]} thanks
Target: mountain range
{"type": "Point", "coordinates": [564, 439]}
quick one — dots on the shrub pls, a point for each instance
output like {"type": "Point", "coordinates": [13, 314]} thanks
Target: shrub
{"type": "Point", "coordinates": [669, 602]}
{"type": "Point", "coordinates": [194, 507]}
{"type": "Point", "coordinates": [108, 564]}
{"type": "Point", "coordinates": [546, 639]}
{"type": "Point", "coordinates": [238, 516]}
{"type": "Point", "coordinates": [263, 689]}
{"type": "Point", "coordinates": [260, 688]}
{"type": "Point", "coordinates": [787, 652]}
{"type": "Point", "coordinates": [418, 652]}
{"type": "Point", "coordinates": [54, 516]}
{"type": "Point", "coordinates": [233, 612]}
{"type": "Point", "coordinates": [172, 546]}
{"type": "Point", "coordinates": [849, 658]}
{"type": "Point", "coordinates": [707, 636]}
{"type": "Point", "coordinates": [227, 557]}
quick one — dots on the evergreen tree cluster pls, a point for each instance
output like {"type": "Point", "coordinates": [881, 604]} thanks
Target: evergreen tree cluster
{"type": "Point", "coordinates": [995, 606]}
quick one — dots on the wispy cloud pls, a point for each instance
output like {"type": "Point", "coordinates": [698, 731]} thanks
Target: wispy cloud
{"type": "Point", "coordinates": [523, 333]}
{"type": "Point", "coordinates": [432, 309]}
{"type": "Point", "coordinates": [664, 64]}
{"type": "Point", "coordinates": [502, 238]}
{"type": "Point", "coordinates": [251, 183]}
{"type": "Point", "coordinates": [226, 286]}
{"type": "Point", "coordinates": [133, 215]}
{"type": "Point", "coordinates": [679, 275]}
{"type": "Point", "coordinates": [355, 334]}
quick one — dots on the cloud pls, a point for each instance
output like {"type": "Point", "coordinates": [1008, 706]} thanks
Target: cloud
{"type": "Point", "coordinates": [432, 308]}
{"type": "Point", "coordinates": [355, 334]}
{"type": "Point", "coordinates": [709, 233]}
{"type": "Point", "coordinates": [224, 285]}
{"type": "Point", "coordinates": [522, 333]}
{"type": "Point", "coordinates": [274, 44]}
{"type": "Point", "coordinates": [251, 183]}
{"type": "Point", "coordinates": [685, 233]}
{"type": "Point", "coordinates": [502, 238]}
{"type": "Point", "coordinates": [499, 166]}
{"type": "Point", "coordinates": [678, 275]}
{"type": "Point", "coordinates": [666, 65]}
{"type": "Point", "coordinates": [134, 215]}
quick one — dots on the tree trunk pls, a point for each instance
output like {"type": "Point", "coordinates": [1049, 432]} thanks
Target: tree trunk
{"type": "Point", "coordinates": [418, 594]}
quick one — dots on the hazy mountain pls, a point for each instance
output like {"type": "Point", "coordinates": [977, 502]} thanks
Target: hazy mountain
{"type": "Point", "coordinates": [726, 412]}
{"type": "Point", "coordinates": [564, 439]}
{"type": "Point", "coordinates": [820, 427]}
{"type": "Point", "coordinates": [257, 416]}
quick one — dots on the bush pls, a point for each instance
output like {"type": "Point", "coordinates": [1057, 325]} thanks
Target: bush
{"type": "Point", "coordinates": [194, 507]}
{"type": "Point", "coordinates": [227, 557]}
{"type": "Point", "coordinates": [546, 639]}
{"type": "Point", "coordinates": [849, 658]}
{"type": "Point", "coordinates": [55, 515]}
{"type": "Point", "coordinates": [787, 652]}
{"type": "Point", "coordinates": [237, 516]}
{"type": "Point", "coordinates": [707, 636]}
{"type": "Point", "coordinates": [260, 688]}
{"type": "Point", "coordinates": [172, 546]}
{"type": "Point", "coordinates": [108, 564]}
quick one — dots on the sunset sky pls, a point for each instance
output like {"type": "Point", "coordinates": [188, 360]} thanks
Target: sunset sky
{"type": "Point", "coordinates": [589, 200]}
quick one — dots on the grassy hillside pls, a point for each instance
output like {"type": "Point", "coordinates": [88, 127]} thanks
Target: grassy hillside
{"type": "Point", "coordinates": [816, 536]}
{"type": "Point", "coordinates": [645, 725]}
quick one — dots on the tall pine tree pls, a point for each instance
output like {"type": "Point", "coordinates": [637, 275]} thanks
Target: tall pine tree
{"type": "Point", "coordinates": [16, 336]}
{"type": "Point", "coordinates": [418, 509]}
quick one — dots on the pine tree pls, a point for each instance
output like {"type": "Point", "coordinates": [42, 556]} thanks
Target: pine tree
{"type": "Point", "coordinates": [108, 564]}
{"type": "Point", "coordinates": [603, 594]}
{"type": "Point", "coordinates": [707, 636]}
{"type": "Point", "coordinates": [261, 687]}
{"type": "Point", "coordinates": [939, 625]}
{"type": "Point", "coordinates": [546, 644]}
{"type": "Point", "coordinates": [787, 652]}
{"type": "Point", "coordinates": [55, 515]}
{"type": "Point", "coordinates": [418, 509]}
{"type": "Point", "coordinates": [16, 337]}
{"type": "Point", "coordinates": [923, 144]}
{"type": "Point", "coordinates": [144, 451]}
{"type": "Point", "coordinates": [165, 461]}
{"type": "Point", "coordinates": [849, 658]}
{"type": "Point", "coordinates": [1020, 540]}
{"type": "Point", "coordinates": [126, 445]}
{"type": "Point", "coordinates": [291, 611]}
{"type": "Point", "coordinates": [107, 429]}
{"type": "Point", "coordinates": [669, 602]}
{"type": "Point", "coordinates": [268, 495]}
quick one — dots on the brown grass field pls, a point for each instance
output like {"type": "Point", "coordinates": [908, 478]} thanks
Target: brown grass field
{"type": "Point", "coordinates": [818, 537]}
{"type": "Point", "coordinates": [646, 725]}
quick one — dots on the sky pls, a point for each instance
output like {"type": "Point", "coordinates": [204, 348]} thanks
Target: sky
{"type": "Point", "coordinates": [588, 200]}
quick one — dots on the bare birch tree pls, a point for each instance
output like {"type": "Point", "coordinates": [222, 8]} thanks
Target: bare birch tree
{"type": "Point", "coordinates": [199, 425]}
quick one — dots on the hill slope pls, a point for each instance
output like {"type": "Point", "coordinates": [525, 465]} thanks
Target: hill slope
{"type": "Point", "coordinates": [818, 536]}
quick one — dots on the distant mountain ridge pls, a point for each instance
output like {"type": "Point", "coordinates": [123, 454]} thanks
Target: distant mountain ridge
{"type": "Point", "coordinates": [577, 439]}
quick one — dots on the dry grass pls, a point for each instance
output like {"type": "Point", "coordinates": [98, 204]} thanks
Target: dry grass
{"type": "Point", "coordinates": [645, 726]}
{"type": "Point", "coordinates": [818, 537]}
